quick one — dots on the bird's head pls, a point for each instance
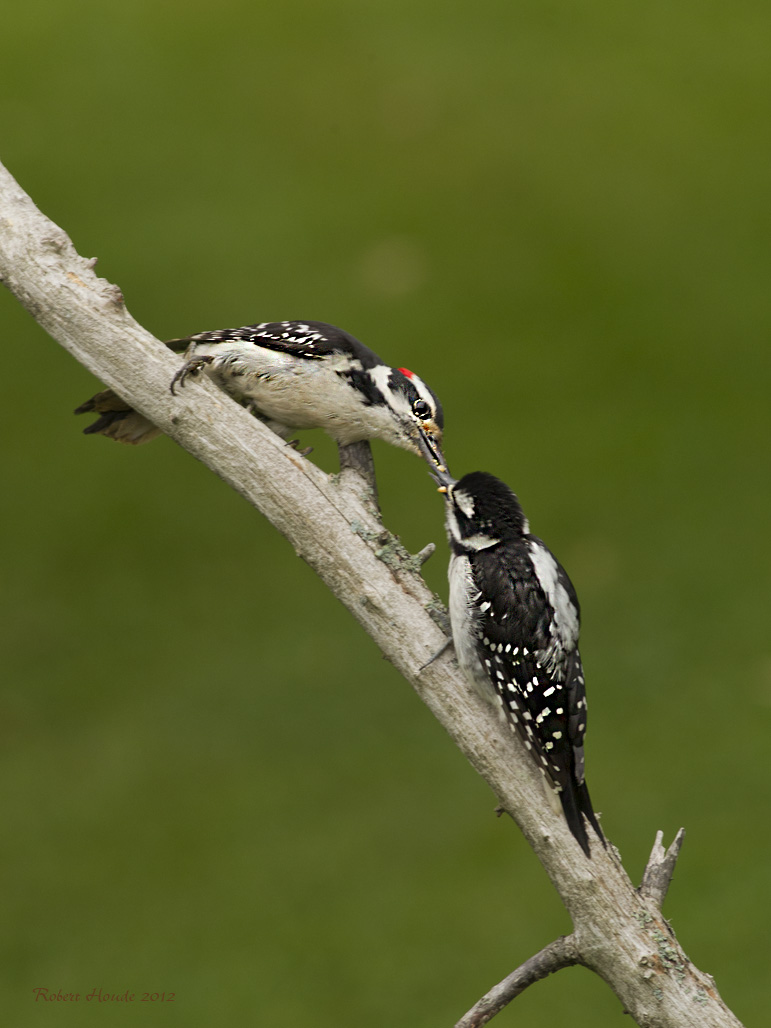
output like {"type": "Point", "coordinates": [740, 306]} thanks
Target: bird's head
{"type": "Point", "coordinates": [417, 409]}
{"type": "Point", "coordinates": [481, 510]}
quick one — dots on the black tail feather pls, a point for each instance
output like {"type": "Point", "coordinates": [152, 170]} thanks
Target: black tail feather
{"type": "Point", "coordinates": [585, 805]}
{"type": "Point", "coordinates": [576, 805]}
{"type": "Point", "coordinates": [570, 805]}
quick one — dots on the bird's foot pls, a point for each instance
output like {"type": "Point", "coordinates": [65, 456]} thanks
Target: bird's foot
{"type": "Point", "coordinates": [190, 369]}
{"type": "Point", "coordinates": [295, 444]}
{"type": "Point", "coordinates": [445, 646]}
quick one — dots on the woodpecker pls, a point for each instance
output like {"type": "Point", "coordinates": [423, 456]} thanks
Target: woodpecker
{"type": "Point", "coordinates": [295, 375]}
{"type": "Point", "coordinates": [515, 622]}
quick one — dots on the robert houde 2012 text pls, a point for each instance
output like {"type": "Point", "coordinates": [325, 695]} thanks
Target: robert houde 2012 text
{"type": "Point", "coordinates": [101, 996]}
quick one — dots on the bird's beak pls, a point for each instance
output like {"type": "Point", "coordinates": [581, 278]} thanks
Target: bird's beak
{"type": "Point", "coordinates": [435, 459]}
{"type": "Point", "coordinates": [443, 479]}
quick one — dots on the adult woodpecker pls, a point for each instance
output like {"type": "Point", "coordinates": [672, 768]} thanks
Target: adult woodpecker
{"type": "Point", "coordinates": [295, 375]}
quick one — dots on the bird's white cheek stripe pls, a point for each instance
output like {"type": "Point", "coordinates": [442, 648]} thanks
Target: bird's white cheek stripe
{"type": "Point", "coordinates": [479, 542]}
{"type": "Point", "coordinates": [420, 385]}
{"type": "Point", "coordinates": [464, 502]}
{"type": "Point", "coordinates": [380, 375]}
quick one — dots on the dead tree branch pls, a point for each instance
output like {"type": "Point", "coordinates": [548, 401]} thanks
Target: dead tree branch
{"type": "Point", "coordinates": [558, 954]}
{"type": "Point", "coordinates": [618, 932]}
{"type": "Point", "coordinates": [661, 866]}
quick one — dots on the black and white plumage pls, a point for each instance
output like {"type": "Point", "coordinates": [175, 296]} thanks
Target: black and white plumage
{"type": "Point", "coordinates": [295, 375]}
{"type": "Point", "coordinates": [515, 624]}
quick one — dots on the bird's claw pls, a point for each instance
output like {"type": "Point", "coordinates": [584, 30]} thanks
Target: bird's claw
{"type": "Point", "coordinates": [190, 369]}
{"type": "Point", "coordinates": [295, 444]}
{"type": "Point", "coordinates": [445, 646]}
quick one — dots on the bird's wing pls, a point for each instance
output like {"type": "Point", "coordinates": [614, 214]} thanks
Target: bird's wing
{"type": "Point", "coordinates": [312, 340]}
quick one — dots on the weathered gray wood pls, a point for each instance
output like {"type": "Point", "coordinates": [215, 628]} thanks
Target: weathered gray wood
{"type": "Point", "coordinates": [618, 932]}
{"type": "Point", "coordinates": [660, 868]}
{"type": "Point", "coordinates": [558, 954]}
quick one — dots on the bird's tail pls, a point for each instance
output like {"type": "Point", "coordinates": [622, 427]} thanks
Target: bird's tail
{"type": "Point", "coordinates": [117, 419]}
{"type": "Point", "coordinates": [576, 806]}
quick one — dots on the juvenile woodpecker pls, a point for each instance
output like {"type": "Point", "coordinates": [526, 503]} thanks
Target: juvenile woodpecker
{"type": "Point", "coordinates": [294, 375]}
{"type": "Point", "coordinates": [515, 622]}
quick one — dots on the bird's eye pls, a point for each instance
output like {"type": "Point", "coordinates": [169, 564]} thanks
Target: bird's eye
{"type": "Point", "coordinates": [421, 409]}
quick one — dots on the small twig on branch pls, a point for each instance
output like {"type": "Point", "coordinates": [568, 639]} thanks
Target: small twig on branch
{"type": "Point", "coordinates": [661, 866]}
{"type": "Point", "coordinates": [558, 954]}
{"type": "Point", "coordinates": [357, 470]}
{"type": "Point", "coordinates": [428, 551]}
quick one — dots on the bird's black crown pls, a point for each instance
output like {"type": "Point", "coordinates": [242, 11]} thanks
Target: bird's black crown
{"type": "Point", "coordinates": [485, 504]}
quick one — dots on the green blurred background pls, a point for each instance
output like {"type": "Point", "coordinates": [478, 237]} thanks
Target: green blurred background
{"type": "Point", "coordinates": [559, 215]}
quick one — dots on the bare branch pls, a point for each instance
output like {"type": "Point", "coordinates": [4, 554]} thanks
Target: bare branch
{"type": "Point", "coordinates": [357, 471]}
{"type": "Point", "coordinates": [618, 932]}
{"type": "Point", "coordinates": [558, 954]}
{"type": "Point", "coordinates": [428, 551]}
{"type": "Point", "coordinates": [661, 866]}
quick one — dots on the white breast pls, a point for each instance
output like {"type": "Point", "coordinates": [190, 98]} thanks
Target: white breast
{"type": "Point", "coordinates": [299, 393]}
{"type": "Point", "coordinates": [463, 615]}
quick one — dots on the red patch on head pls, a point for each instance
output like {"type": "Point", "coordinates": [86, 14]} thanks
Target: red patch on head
{"type": "Point", "coordinates": [406, 371]}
